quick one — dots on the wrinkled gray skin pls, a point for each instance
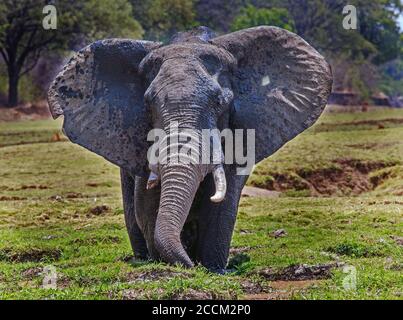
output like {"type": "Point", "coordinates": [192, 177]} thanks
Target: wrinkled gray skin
{"type": "Point", "coordinates": [114, 91]}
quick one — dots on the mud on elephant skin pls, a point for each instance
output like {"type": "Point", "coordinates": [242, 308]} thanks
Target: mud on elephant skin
{"type": "Point", "coordinates": [113, 92]}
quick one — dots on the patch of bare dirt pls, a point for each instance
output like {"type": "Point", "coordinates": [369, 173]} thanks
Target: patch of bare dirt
{"type": "Point", "coordinates": [24, 187]}
{"type": "Point", "coordinates": [92, 184]}
{"type": "Point", "coordinates": [131, 294]}
{"type": "Point", "coordinates": [398, 240]}
{"type": "Point", "coordinates": [346, 177]}
{"type": "Point", "coordinates": [43, 217]}
{"type": "Point", "coordinates": [34, 186]}
{"type": "Point", "coordinates": [155, 275]}
{"type": "Point", "coordinates": [192, 294]}
{"type": "Point", "coordinates": [99, 210]}
{"type": "Point", "coordinates": [366, 124]}
{"type": "Point", "coordinates": [11, 198]}
{"type": "Point", "coordinates": [372, 122]}
{"type": "Point", "coordinates": [259, 192]}
{"type": "Point", "coordinates": [349, 177]}
{"type": "Point", "coordinates": [379, 179]}
{"type": "Point", "coordinates": [188, 294]}
{"type": "Point", "coordinates": [300, 272]}
{"type": "Point", "coordinates": [278, 233]}
{"type": "Point", "coordinates": [292, 285]}
{"type": "Point", "coordinates": [32, 273]}
{"type": "Point", "coordinates": [282, 290]}
{"type": "Point", "coordinates": [63, 281]}
{"type": "Point", "coordinates": [238, 250]}
{"type": "Point", "coordinates": [76, 195]}
{"type": "Point", "coordinates": [395, 267]}
{"type": "Point", "coordinates": [30, 255]}
{"type": "Point", "coordinates": [56, 137]}
{"type": "Point", "coordinates": [283, 182]}
{"type": "Point", "coordinates": [371, 146]}
{"type": "Point", "coordinates": [253, 287]}
{"type": "Point", "coordinates": [267, 296]}
{"type": "Point", "coordinates": [71, 195]}
{"type": "Point", "coordinates": [96, 240]}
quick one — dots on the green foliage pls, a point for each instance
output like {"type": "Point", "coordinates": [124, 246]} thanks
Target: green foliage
{"type": "Point", "coordinates": [30, 91]}
{"type": "Point", "coordinates": [392, 78]}
{"type": "Point", "coordinates": [163, 18]}
{"type": "Point", "coordinates": [3, 21]}
{"type": "Point", "coordinates": [110, 18]}
{"type": "Point", "coordinates": [354, 54]}
{"type": "Point", "coordinates": [378, 25]}
{"type": "Point", "coordinates": [375, 41]}
{"type": "Point", "coordinates": [28, 88]}
{"type": "Point", "coordinates": [3, 79]}
{"type": "Point", "coordinates": [218, 14]}
{"type": "Point", "coordinates": [81, 19]}
{"type": "Point", "coordinates": [23, 39]}
{"type": "Point", "coordinates": [253, 17]}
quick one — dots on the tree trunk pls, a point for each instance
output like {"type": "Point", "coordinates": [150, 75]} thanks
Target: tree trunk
{"type": "Point", "coordinates": [13, 79]}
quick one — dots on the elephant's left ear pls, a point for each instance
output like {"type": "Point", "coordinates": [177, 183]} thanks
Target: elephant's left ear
{"type": "Point", "coordinates": [100, 93]}
{"type": "Point", "coordinates": [281, 84]}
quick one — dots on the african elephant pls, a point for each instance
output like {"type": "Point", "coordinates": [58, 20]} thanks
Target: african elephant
{"type": "Point", "coordinates": [113, 92]}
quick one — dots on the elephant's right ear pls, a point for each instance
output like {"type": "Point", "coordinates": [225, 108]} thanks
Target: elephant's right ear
{"type": "Point", "coordinates": [100, 93]}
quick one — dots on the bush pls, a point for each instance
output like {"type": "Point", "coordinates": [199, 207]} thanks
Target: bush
{"type": "Point", "coordinates": [253, 17]}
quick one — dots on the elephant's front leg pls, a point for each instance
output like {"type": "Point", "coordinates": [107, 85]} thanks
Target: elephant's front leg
{"type": "Point", "coordinates": [147, 204]}
{"type": "Point", "coordinates": [136, 238]}
{"type": "Point", "coordinates": [217, 221]}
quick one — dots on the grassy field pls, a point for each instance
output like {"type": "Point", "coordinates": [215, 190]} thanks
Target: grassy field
{"type": "Point", "coordinates": [335, 231]}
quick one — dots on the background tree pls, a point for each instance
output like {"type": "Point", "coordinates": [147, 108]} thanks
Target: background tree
{"type": "Point", "coordinates": [251, 16]}
{"type": "Point", "coordinates": [218, 14]}
{"type": "Point", "coordinates": [162, 18]}
{"type": "Point", "coordinates": [354, 54]}
{"type": "Point", "coordinates": [23, 39]}
{"type": "Point", "coordinates": [363, 60]}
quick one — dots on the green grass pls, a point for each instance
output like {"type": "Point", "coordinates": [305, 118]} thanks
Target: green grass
{"type": "Point", "coordinates": [48, 190]}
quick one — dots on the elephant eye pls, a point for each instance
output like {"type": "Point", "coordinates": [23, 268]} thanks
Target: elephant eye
{"type": "Point", "coordinates": [211, 63]}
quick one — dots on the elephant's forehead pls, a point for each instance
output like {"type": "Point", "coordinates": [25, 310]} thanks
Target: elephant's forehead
{"type": "Point", "coordinates": [192, 51]}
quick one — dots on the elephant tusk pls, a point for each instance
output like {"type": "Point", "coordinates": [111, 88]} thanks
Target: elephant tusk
{"type": "Point", "coordinates": [220, 184]}
{"type": "Point", "coordinates": [153, 181]}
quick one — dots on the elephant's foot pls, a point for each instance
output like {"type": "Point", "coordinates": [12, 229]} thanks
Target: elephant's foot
{"type": "Point", "coordinates": [136, 260]}
{"type": "Point", "coordinates": [140, 256]}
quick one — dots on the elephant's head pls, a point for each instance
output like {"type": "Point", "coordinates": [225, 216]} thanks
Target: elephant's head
{"type": "Point", "coordinates": [113, 92]}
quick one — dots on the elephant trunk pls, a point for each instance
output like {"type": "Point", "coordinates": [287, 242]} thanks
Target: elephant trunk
{"type": "Point", "coordinates": [179, 184]}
